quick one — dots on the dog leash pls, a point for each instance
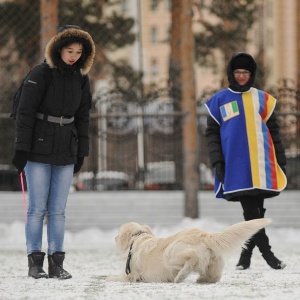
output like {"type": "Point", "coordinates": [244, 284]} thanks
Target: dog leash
{"type": "Point", "coordinates": [23, 194]}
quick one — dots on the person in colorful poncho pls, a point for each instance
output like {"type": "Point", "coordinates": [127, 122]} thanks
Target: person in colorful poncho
{"type": "Point", "coordinates": [245, 150]}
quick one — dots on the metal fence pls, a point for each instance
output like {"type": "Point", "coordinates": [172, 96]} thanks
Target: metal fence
{"type": "Point", "coordinates": [136, 131]}
{"type": "Point", "coordinates": [136, 147]}
{"type": "Point", "coordinates": [144, 142]}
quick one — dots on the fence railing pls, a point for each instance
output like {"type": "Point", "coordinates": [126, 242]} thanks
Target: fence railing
{"type": "Point", "coordinates": [143, 151]}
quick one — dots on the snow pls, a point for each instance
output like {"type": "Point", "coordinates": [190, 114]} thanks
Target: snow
{"type": "Point", "coordinates": [91, 256]}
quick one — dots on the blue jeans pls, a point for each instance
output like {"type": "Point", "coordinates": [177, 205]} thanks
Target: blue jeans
{"type": "Point", "coordinates": [48, 188]}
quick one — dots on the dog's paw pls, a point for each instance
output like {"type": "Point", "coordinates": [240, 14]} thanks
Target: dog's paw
{"type": "Point", "coordinates": [179, 278]}
{"type": "Point", "coordinates": [205, 280]}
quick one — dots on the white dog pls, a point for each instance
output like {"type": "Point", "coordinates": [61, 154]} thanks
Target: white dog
{"type": "Point", "coordinates": [172, 259]}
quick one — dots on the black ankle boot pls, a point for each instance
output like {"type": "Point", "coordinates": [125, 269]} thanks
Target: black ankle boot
{"type": "Point", "coordinates": [55, 264]}
{"type": "Point", "coordinates": [273, 261]}
{"type": "Point", "coordinates": [35, 264]}
{"type": "Point", "coordinates": [262, 242]}
{"type": "Point", "coordinates": [245, 258]}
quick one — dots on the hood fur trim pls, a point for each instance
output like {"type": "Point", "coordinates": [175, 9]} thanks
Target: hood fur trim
{"type": "Point", "coordinates": [71, 35]}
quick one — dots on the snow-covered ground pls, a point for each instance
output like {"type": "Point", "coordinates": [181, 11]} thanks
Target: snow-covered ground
{"type": "Point", "coordinates": [91, 255]}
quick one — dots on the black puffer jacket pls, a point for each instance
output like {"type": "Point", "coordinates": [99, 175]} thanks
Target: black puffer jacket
{"type": "Point", "coordinates": [68, 94]}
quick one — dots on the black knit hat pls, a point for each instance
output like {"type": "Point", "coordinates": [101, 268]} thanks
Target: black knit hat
{"type": "Point", "coordinates": [243, 62]}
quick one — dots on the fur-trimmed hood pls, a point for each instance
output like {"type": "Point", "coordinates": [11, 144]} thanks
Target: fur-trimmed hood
{"type": "Point", "coordinates": [66, 35]}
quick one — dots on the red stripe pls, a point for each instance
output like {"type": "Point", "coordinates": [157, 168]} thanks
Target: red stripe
{"type": "Point", "coordinates": [265, 110]}
{"type": "Point", "coordinates": [272, 163]}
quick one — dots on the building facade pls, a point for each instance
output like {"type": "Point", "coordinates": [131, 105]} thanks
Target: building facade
{"type": "Point", "coordinates": [274, 36]}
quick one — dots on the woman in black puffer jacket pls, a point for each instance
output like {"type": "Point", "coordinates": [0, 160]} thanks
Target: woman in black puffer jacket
{"type": "Point", "coordinates": [246, 150]}
{"type": "Point", "coordinates": [52, 140]}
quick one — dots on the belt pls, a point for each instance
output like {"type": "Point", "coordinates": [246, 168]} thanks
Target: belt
{"type": "Point", "coordinates": [60, 120]}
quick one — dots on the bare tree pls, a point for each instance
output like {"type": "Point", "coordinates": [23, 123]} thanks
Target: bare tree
{"type": "Point", "coordinates": [183, 84]}
{"type": "Point", "coordinates": [49, 21]}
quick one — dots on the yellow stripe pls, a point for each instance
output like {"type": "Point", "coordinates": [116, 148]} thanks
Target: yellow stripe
{"type": "Point", "coordinates": [256, 142]}
{"type": "Point", "coordinates": [281, 179]}
{"type": "Point", "coordinates": [261, 162]}
{"type": "Point", "coordinates": [270, 106]}
{"type": "Point", "coordinates": [252, 137]}
{"type": "Point", "coordinates": [280, 176]}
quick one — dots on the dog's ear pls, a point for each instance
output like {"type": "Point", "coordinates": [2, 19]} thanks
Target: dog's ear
{"type": "Point", "coordinates": [123, 239]}
{"type": "Point", "coordinates": [147, 229]}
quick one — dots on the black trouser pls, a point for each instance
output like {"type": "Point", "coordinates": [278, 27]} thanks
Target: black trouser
{"type": "Point", "coordinates": [254, 209]}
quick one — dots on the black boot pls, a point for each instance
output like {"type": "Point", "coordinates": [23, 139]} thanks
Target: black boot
{"type": "Point", "coordinates": [55, 264]}
{"type": "Point", "coordinates": [273, 261]}
{"type": "Point", "coordinates": [35, 264]}
{"type": "Point", "coordinates": [245, 258]}
{"type": "Point", "coordinates": [262, 242]}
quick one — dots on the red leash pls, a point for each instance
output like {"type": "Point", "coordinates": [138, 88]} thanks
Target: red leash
{"type": "Point", "coordinates": [23, 194]}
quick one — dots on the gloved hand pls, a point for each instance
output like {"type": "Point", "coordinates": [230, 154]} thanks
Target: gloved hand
{"type": "Point", "coordinates": [20, 160]}
{"type": "Point", "coordinates": [220, 171]}
{"type": "Point", "coordinates": [79, 164]}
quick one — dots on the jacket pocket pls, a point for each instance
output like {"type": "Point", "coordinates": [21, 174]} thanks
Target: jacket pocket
{"type": "Point", "coordinates": [43, 140]}
{"type": "Point", "coordinates": [74, 142]}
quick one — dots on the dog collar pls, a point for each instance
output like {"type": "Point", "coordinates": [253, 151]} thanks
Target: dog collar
{"type": "Point", "coordinates": [127, 269]}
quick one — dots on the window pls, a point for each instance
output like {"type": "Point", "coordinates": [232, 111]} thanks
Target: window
{"type": "Point", "coordinates": [168, 34]}
{"type": "Point", "coordinates": [154, 67]}
{"type": "Point", "coordinates": [269, 37]}
{"type": "Point", "coordinates": [154, 4]}
{"type": "Point", "coordinates": [154, 35]}
{"type": "Point", "coordinates": [168, 4]}
{"type": "Point", "coordinates": [124, 5]}
{"type": "Point", "coordinates": [269, 9]}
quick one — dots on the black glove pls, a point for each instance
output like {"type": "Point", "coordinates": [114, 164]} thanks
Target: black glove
{"type": "Point", "coordinates": [220, 171]}
{"type": "Point", "coordinates": [20, 160]}
{"type": "Point", "coordinates": [78, 165]}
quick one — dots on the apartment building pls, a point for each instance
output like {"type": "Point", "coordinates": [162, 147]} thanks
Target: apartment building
{"type": "Point", "coordinates": [280, 41]}
{"type": "Point", "coordinates": [275, 34]}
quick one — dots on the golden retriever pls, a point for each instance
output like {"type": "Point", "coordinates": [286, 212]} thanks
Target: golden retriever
{"type": "Point", "coordinates": [151, 259]}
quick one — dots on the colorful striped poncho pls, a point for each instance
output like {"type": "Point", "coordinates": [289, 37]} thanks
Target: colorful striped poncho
{"type": "Point", "coordinates": [248, 149]}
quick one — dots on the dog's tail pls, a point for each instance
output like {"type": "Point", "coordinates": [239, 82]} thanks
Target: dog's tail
{"type": "Point", "coordinates": [233, 237]}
